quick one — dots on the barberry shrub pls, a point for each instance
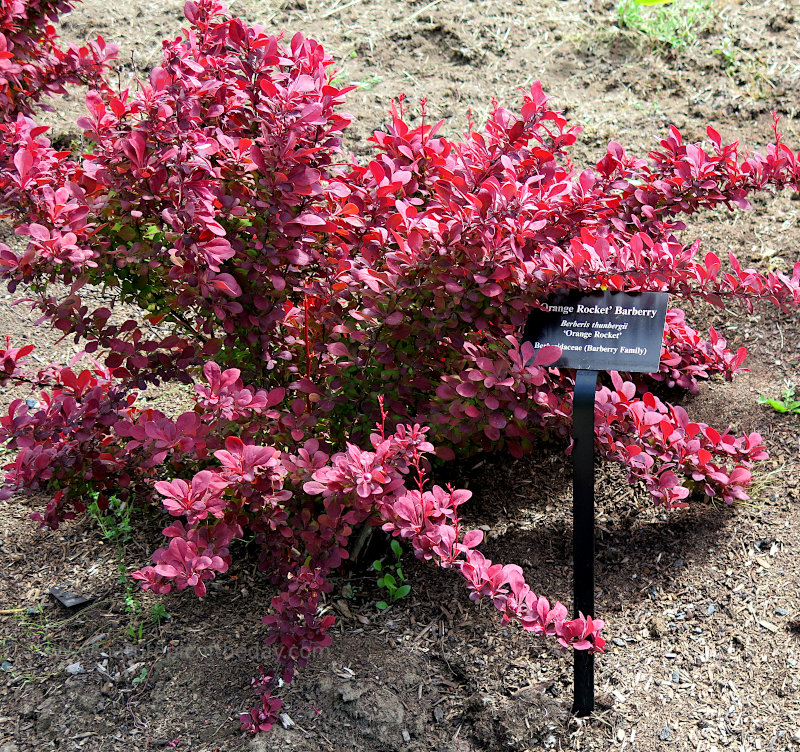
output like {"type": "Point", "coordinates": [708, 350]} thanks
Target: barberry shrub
{"type": "Point", "coordinates": [31, 62]}
{"type": "Point", "coordinates": [335, 322]}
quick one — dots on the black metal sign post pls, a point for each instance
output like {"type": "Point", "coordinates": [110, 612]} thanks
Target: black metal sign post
{"type": "Point", "coordinates": [583, 529]}
{"type": "Point", "coordinates": [596, 331]}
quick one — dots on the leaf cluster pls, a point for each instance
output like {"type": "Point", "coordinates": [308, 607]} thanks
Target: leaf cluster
{"type": "Point", "coordinates": [787, 403]}
{"type": "Point", "coordinates": [391, 578]}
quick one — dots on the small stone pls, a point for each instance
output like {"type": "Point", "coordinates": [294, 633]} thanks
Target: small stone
{"type": "Point", "coordinates": [657, 627]}
{"type": "Point", "coordinates": [75, 668]}
{"type": "Point", "coordinates": [711, 609]}
{"type": "Point", "coordinates": [438, 714]}
{"type": "Point", "coordinates": [351, 692]}
{"type": "Point", "coordinates": [781, 612]}
{"type": "Point", "coordinates": [676, 677]}
{"type": "Point", "coordinates": [619, 641]}
{"type": "Point", "coordinates": [286, 721]}
{"type": "Point", "coordinates": [620, 735]}
{"type": "Point", "coordinates": [665, 734]}
{"type": "Point", "coordinates": [406, 736]}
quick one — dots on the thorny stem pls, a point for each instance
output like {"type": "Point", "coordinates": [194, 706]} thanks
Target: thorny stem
{"type": "Point", "coordinates": [420, 479]}
{"type": "Point", "coordinates": [179, 318]}
{"type": "Point", "coordinates": [306, 304]}
{"type": "Point", "coordinates": [384, 415]}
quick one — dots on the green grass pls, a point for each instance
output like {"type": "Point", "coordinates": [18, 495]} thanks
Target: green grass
{"type": "Point", "coordinates": [674, 24]}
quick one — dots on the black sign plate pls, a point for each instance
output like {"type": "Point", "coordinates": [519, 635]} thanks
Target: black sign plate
{"type": "Point", "coordinates": [601, 330]}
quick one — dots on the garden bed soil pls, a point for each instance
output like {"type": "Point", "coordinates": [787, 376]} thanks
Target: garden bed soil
{"type": "Point", "coordinates": [702, 605]}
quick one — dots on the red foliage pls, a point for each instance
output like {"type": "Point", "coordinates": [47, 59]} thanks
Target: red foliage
{"type": "Point", "coordinates": [32, 64]}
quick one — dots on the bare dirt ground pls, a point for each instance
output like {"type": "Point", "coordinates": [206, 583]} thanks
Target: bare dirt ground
{"type": "Point", "coordinates": [702, 605]}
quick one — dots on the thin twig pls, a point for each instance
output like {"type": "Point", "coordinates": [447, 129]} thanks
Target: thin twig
{"type": "Point", "coordinates": [337, 9]}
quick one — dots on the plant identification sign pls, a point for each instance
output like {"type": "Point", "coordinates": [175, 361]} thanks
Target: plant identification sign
{"type": "Point", "coordinates": [596, 331]}
{"type": "Point", "coordinates": [601, 330]}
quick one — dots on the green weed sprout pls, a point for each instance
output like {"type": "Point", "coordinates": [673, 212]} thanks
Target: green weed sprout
{"type": "Point", "coordinates": [114, 522]}
{"type": "Point", "coordinates": [391, 578]}
{"type": "Point", "coordinates": [115, 526]}
{"type": "Point", "coordinates": [788, 404]}
{"type": "Point", "coordinates": [159, 613]}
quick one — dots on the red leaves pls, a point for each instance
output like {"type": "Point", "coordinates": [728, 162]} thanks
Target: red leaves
{"type": "Point", "coordinates": [190, 11]}
{"type": "Point", "coordinates": [227, 398]}
{"type": "Point", "coordinates": [545, 356]}
{"type": "Point", "coordinates": [66, 434]}
{"type": "Point", "coordinates": [23, 161]}
{"type": "Point", "coordinates": [581, 633]}
{"type": "Point", "coordinates": [10, 357]}
{"type": "Point", "coordinates": [661, 442]}
{"type": "Point", "coordinates": [34, 65]}
{"type": "Point", "coordinates": [227, 284]}
{"type": "Point", "coordinates": [310, 220]}
{"type": "Point", "coordinates": [429, 520]}
{"type": "Point", "coordinates": [240, 461]}
{"type": "Point", "coordinates": [467, 389]}
{"type": "Point", "coordinates": [197, 499]}
{"type": "Point", "coordinates": [182, 562]}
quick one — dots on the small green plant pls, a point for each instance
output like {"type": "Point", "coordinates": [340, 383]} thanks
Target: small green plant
{"type": "Point", "coordinates": [114, 521]}
{"type": "Point", "coordinates": [365, 84]}
{"type": "Point", "coordinates": [349, 592]}
{"type": "Point", "coordinates": [727, 52]}
{"type": "Point", "coordinates": [391, 578]}
{"type": "Point", "coordinates": [40, 630]}
{"type": "Point", "coordinates": [115, 525]}
{"type": "Point", "coordinates": [342, 77]}
{"type": "Point", "coordinates": [141, 678]}
{"type": "Point", "coordinates": [159, 613]}
{"type": "Point", "coordinates": [370, 82]}
{"type": "Point", "coordinates": [670, 23]}
{"type": "Point", "coordinates": [788, 403]}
